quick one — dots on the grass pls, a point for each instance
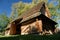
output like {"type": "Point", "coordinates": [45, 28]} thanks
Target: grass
{"type": "Point", "coordinates": [31, 37]}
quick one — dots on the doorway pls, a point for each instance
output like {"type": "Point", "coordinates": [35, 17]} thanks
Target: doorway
{"type": "Point", "coordinates": [18, 29]}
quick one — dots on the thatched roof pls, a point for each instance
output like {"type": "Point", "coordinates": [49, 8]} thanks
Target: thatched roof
{"type": "Point", "coordinates": [31, 11]}
{"type": "Point", "coordinates": [30, 17]}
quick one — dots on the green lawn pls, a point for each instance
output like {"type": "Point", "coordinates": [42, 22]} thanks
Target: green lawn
{"type": "Point", "coordinates": [31, 37]}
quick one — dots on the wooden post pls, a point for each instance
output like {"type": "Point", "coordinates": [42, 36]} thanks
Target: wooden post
{"type": "Point", "coordinates": [13, 29]}
{"type": "Point", "coordinates": [39, 25]}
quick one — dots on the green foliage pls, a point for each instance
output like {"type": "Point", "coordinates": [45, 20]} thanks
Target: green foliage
{"type": "Point", "coordinates": [3, 21]}
{"type": "Point", "coordinates": [18, 9]}
{"type": "Point", "coordinates": [55, 10]}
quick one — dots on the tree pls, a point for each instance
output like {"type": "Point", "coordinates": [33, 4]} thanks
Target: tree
{"type": "Point", "coordinates": [18, 9]}
{"type": "Point", "coordinates": [55, 10]}
{"type": "Point", "coordinates": [4, 20]}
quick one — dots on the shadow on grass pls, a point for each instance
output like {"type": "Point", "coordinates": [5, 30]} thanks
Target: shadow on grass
{"type": "Point", "coordinates": [32, 37]}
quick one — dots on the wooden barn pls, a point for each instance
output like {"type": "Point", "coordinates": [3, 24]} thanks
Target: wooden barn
{"type": "Point", "coordinates": [33, 21]}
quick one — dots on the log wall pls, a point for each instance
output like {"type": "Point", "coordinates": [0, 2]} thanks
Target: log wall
{"type": "Point", "coordinates": [26, 28]}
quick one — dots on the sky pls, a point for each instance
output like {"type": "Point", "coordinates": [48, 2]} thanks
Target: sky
{"type": "Point", "coordinates": [5, 5]}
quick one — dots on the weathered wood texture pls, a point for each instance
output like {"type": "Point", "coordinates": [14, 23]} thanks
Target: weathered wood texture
{"type": "Point", "coordinates": [13, 29]}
